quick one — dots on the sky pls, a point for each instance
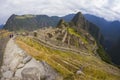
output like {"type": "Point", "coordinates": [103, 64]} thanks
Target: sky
{"type": "Point", "coordinates": [108, 9]}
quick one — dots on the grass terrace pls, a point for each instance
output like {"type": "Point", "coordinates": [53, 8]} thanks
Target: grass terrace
{"type": "Point", "coordinates": [67, 64]}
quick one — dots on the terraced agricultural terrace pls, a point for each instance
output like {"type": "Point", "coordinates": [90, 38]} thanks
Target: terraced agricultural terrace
{"type": "Point", "coordinates": [72, 66]}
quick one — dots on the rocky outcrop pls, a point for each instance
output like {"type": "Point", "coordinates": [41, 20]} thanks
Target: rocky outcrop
{"type": "Point", "coordinates": [17, 65]}
{"type": "Point", "coordinates": [31, 74]}
{"type": "Point", "coordinates": [79, 22]}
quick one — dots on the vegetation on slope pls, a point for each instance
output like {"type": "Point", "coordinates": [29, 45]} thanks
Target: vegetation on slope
{"type": "Point", "coordinates": [24, 16]}
{"type": "Point", "coordinates": [73, 32]}
{"type": "Point", "coordinates": [104, 56]}
{"type": "Point", "coordinates": [29, 22]}
{"type": "Point", "coordinates": [67, 63]}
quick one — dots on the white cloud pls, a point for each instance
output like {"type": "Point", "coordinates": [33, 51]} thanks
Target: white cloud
{"type": "Point", "coordinates": [108, 9]}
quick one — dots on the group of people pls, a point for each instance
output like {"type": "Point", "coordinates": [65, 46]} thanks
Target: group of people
{"type": "Point", "coordinates": [11, 35]}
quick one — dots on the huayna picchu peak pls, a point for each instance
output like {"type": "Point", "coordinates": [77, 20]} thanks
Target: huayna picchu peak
{"type": "Point", "coordinates": [49, 48]}
{"type": "Point", "coordinates": [79, 20]}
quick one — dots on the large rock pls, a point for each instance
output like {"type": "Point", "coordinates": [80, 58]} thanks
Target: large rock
{"type": "Point", "coordinates": [31, 73]}
{"type": "Point", "coordinates": [8, 74]}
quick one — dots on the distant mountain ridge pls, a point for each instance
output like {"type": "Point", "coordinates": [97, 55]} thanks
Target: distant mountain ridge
{"type": "Point", "coordinates": [29, 22]}
{"type": "Point", "coordinates": [33, 22]}
{"type": "Point", "coordinates": [108, 28]}
{"type": "Point", "coordinates": [1, 26]}
{"type": "Point", "coordinates": [111, 33]}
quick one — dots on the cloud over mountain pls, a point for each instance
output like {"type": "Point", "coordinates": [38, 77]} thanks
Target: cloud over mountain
{"type": "Point", "coordinates": [109, 9]}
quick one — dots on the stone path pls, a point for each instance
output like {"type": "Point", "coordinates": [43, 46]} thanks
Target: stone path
{"type": "Point", "coordinates": [16, 64]}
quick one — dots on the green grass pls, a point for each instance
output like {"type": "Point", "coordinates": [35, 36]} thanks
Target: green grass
{"type": "Point", "coordinates": [25, 16]}
{"type": "Point", "coordinates": [67, 63]}
{"type": "Point", "coordinates": [73, 32]}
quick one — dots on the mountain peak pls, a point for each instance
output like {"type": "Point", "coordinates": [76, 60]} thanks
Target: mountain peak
{"type": "Point", "coordinates": [13, 15]}
{"type": "Point", "coordinates": [79, 20]}
{"type": "Point", "coordinates": [79, 13]}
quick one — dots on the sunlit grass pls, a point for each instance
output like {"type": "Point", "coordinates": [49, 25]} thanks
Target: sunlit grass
{"type": "Point", "coordinates": [73, 32]}
{"type": "Point", "coordinates": [67, 64]}
{"type": "Point", "coordinates": [4, 33]}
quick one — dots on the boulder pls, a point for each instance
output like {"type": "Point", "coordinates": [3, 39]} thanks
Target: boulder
{"type": "Point", "coordinates": [31, 73]}
{"type": "Point", "coordinates": [8, 74]}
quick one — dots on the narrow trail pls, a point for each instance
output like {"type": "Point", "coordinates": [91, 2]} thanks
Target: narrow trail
{"type": "Point", "coordinates": [12, 58]}
{"type": "Point", "coordinates": [12, 51]}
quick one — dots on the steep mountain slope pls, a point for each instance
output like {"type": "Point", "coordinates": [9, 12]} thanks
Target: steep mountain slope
{"type": "Point", "coordinates": [110, 31]}
{"type": "Point", "coordinates": [81, 22]}
{"type": "Point", "coordinates": [32, 22]}
{"type": "Point", "coordinates": [29, 22]}
{"type": "Point", "coordinates": [106, 27]}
